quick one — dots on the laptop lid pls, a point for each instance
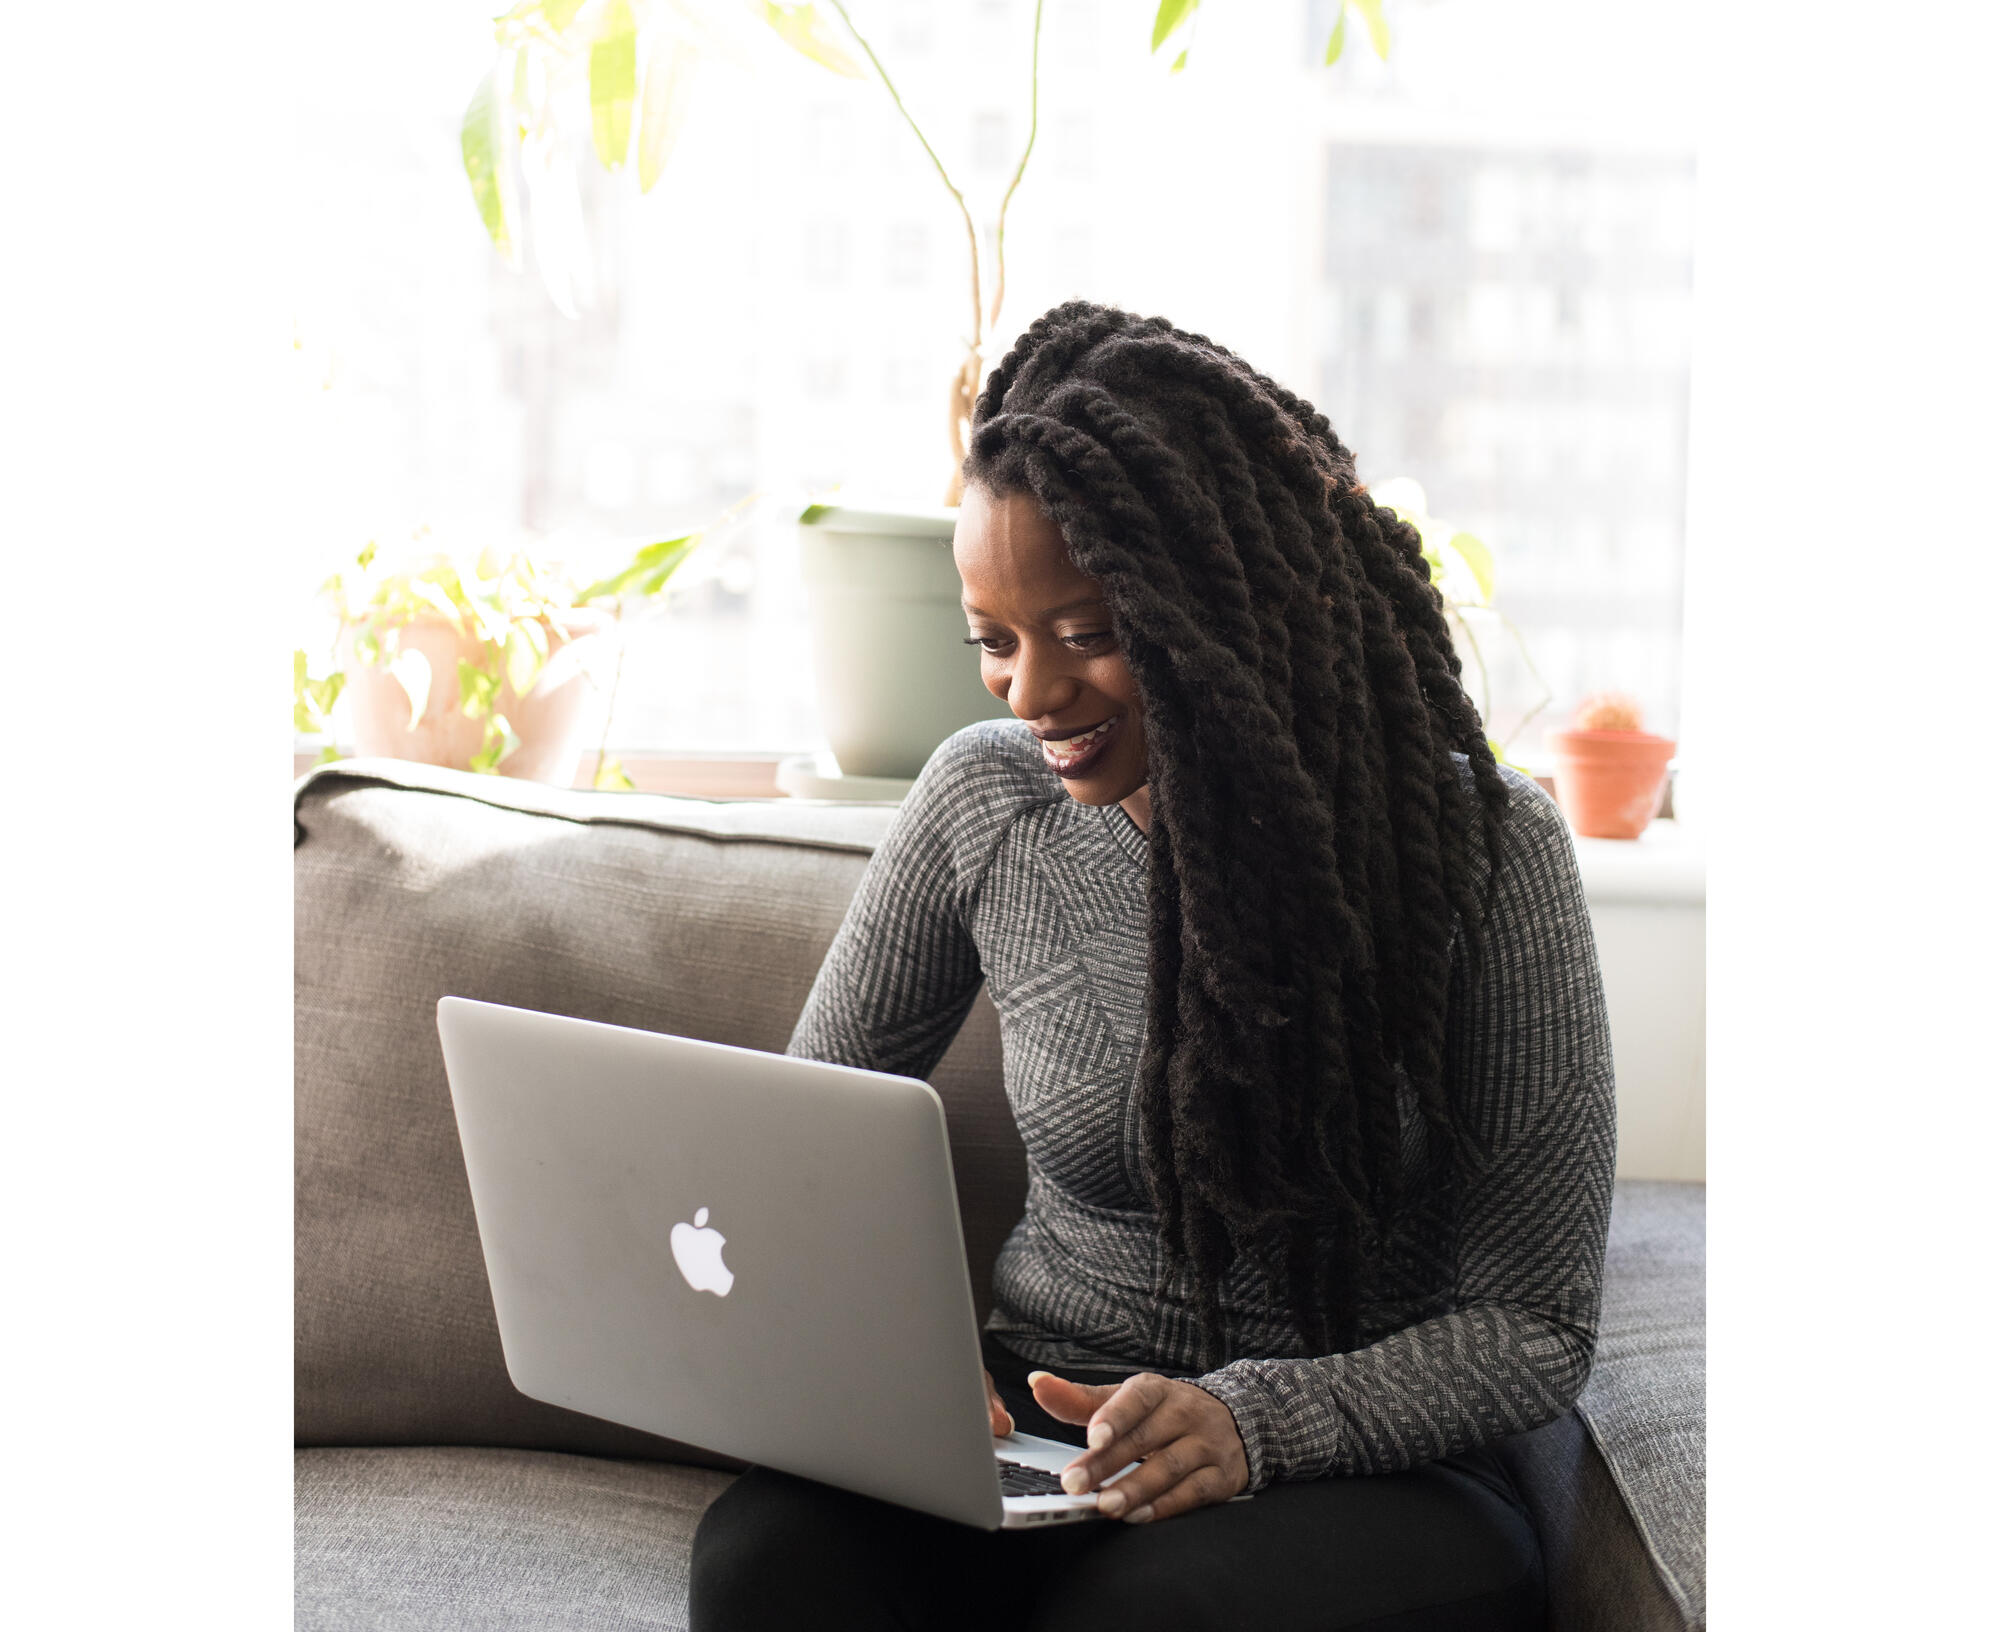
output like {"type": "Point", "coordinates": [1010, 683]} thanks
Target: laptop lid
{"type": "Point", "coordinates": [746, 1252]}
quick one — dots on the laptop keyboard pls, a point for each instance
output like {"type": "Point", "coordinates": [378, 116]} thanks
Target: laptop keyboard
{"type": "Point", "coordinates": [1018, 1479]}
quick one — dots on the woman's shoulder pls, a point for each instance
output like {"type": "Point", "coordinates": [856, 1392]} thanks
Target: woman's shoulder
{"type": "Point", "coordinates": [977, 783]}
{"type": "Point", "coordinates": [1535, 853]}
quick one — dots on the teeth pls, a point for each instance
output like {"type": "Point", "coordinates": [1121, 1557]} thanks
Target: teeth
{"type": "Point", "coordinates": [1065, 751]}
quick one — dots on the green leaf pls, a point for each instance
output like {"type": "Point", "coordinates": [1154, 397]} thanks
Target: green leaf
{"type": "Point", "coordinates": [1180, 62]}
{"type": "Point", "coordinates": [812, 512]}
{"type": "Point", "coordinates": [485, 140]}
{"type": "Point", "coordinates": [538, 635]}
{"type": "Point", "coordinates": [304, 721]}
{"type": "Point", "coordinates": [298, 670]}
{"type": "Point", "coordinates": [1336, 42]}
{"type": "Point", "coordinates": [522, 663]}
{"type": "Point", "coordinates": [327, 755]}
{"type": "Point", "coordinates": [368, 646]}
{"type": "Point", "coordinates": [1436, 563]}
{"type": "Point", "coordinates": [1474, 553]}
{"type": "Point", "coordinates": [412, 671]}
{"type": "Point", "coordinates": [1170, 16]}
{"type": "Point", "coordinates": [613, 83]}
{"type": "Point", "coordinates": [500, 741]}
{"type": "Point", "coordinates": [435, 597]}
{"type": "Point", "coordinates": [805, 31]}
{"type": "Point", "coordinates": [660, 114]}
{"type": "Point", "coordinates": [611, 778]}
{"type": "Point", "coordinates": [560, 13]}
{"type": "Point", "coordinates": [367, 555]}
{"type": "Point", "coordinates": [648, 570]}
{"type": "Point", "coordinates": [476, 689]}
{"type": "Point", "coordinates": [1378, 29]}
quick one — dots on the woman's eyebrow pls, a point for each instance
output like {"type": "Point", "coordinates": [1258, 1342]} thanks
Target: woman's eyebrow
{"type": "Point", "coordinates": [972, 611]}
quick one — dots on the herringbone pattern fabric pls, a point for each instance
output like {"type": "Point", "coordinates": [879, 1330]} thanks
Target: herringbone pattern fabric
{"type": "Point", "coordinates": [992, 872]}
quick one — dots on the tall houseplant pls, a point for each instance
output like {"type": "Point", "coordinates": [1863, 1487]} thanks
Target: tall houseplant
{"type": "Point", "coordinates": [882, 592]}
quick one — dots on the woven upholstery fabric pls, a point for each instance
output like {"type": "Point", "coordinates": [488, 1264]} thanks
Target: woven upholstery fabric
{"type": "Point", "coordinates": [412, 1540]}
{"type": "Point", "coordinates": [707, 920]}
{"type": "Point", "coordinates": [1618, 1487]}
{"type": "Point", "coordinates": [1600, 1576]}
{"type": "Point", "coordinates": [1646, 1404]}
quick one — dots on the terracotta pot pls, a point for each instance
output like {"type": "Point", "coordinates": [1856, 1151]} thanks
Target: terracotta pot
{"type": "Point", "coordinates": [550, 721]}
{"type": "Point", "coordinates": [1610, 783]}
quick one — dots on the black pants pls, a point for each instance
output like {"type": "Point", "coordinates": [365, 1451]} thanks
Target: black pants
{"type": "Point", "coordinates": [1447, 1547]}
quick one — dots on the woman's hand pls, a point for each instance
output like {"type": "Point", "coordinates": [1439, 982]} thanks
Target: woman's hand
{"type": "Point", "coordinates": [1183, 1438]}
{"type": "Point", "coordinates": [1002, 1420]}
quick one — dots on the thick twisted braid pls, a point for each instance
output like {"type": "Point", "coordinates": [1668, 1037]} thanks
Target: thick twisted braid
{"type": "Point", "coordinates": [1315, 847]}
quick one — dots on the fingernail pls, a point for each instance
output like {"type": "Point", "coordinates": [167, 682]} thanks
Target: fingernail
{"type": "Point", "coordinates": [1142, 1516]}
{"type": "Point", "coordinates": [1099, 1435]}
{"type": "Point", "coordinates": [1009, 1421]}
{"type": "Point", "coordinates": [1033, 1375]}
{"type": "Point", "coordinates": [1075, 1481]}
{"type": "Point", "coordinates": [1112, 1503]}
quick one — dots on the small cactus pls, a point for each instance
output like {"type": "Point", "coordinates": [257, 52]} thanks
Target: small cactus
{"type": "Point", "coordinates": [1609, 711]}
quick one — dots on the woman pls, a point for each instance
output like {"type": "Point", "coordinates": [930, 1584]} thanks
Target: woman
{"type": "Point", "coordinates": [1302, 1029]}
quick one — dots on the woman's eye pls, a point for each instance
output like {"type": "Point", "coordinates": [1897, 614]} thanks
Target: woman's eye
{"type": "Point", "coordinates": [987, 643]}
{"type": "Point", "coordinates": [1096, 642]}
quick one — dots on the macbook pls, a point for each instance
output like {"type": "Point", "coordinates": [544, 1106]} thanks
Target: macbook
{"type": "Point", "coordinates": [745, 1252]}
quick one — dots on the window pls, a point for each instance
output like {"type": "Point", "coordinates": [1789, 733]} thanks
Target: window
{"type": "Point", "coordinates": [1474, 258]}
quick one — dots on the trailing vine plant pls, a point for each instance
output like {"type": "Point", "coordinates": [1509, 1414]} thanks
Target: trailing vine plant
{"type": "Point", "coordinates": [508, 601]}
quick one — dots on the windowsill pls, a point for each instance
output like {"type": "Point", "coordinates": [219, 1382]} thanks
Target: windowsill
{"type": "Point", "coordinates": [691, 776]}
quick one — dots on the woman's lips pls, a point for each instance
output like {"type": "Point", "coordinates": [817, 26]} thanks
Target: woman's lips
{"type": "Point", "coordinates": [1074, 757]}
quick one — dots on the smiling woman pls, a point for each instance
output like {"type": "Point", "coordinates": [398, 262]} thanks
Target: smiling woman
{"type": "Point", "coordinates": [1048, 651]}
{"type": "Point", "coordinates": [1302, 1026]}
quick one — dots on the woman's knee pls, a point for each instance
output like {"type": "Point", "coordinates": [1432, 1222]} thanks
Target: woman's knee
{"type": "Point", "coordinates": [775, 1551]}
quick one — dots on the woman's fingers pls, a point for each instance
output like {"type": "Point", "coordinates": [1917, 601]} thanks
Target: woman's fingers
{"type": "Point", "coordinates": [1135, 1419]}
{"type": "Point", "coordinates": [1183, 1438]}
{"type": "Point", "coordinates": [999, 1418]}
{"type": "Point", "coordinates": [1206, 1484]}
{"type": "Point", "coordinates": [1067, 1401]}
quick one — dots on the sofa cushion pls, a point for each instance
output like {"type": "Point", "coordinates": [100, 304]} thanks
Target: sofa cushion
{"type": "Point", "coordinates": [1646, 1404]}
{"type": "Point", "coordinates": [445, 1537]}
{"type": "Point", "coordinates": [708, 920]}
{"type": "Point", "coordinates": [1618, 1487]}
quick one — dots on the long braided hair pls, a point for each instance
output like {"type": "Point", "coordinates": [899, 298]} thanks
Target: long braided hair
{"type": "Point", "coordinates": [1311, 842]}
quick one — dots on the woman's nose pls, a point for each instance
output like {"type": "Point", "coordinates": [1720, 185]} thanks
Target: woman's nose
{"type": "Point", "coordinates": [1037, 685]}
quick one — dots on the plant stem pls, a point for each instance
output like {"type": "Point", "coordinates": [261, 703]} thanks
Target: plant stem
{"type": "Point", "coordinates": [617, 673]}
{"type": "Point", "coordinates": [1000, 228]}
{"type": "Point", "coordinates": [1479, 658]}
{"type": "Point", "coordinates": [1527, 657]}
{"type": "Point", "coordinates": [971, 232]}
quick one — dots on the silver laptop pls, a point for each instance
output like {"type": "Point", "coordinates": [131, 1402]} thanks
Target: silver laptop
{"type": "Point", "coordinates": [745, 1252]}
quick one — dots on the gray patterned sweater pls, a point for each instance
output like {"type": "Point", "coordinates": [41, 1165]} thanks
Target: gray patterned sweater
{"type": "Point", "coordinates": [992, 872]}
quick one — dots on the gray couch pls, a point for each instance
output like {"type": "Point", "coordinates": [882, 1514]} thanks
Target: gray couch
{"type": "Point", "coordinates": [429, 1494]}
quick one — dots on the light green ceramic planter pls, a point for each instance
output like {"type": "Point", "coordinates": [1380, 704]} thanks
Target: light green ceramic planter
{"type": "Point", "coordinates": [895, 677]}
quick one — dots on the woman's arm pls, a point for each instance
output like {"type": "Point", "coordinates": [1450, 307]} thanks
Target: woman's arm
{"type": "Point", "coordinates": [1530, 1052]}
{"type": "Point", "coordinates": [902, 971]}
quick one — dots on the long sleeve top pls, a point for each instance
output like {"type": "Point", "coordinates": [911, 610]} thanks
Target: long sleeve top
{"type": "Point", "coordinates": [992, 872]}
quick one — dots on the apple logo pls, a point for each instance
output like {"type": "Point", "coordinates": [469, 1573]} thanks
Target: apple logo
{"type": "Point", "coordinates": [698, 1252]}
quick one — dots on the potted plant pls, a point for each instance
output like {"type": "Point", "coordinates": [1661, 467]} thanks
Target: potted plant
{"type": "Point", "coordinates": [882, 595]}
{"type": "Point", "coordinates": [1611, 773]}
{"type": "Point", "coordinates": [484, 664]}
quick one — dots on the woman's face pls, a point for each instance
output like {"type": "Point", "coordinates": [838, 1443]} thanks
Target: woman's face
{"type": "Point", "coordinates": [1047, 649]}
